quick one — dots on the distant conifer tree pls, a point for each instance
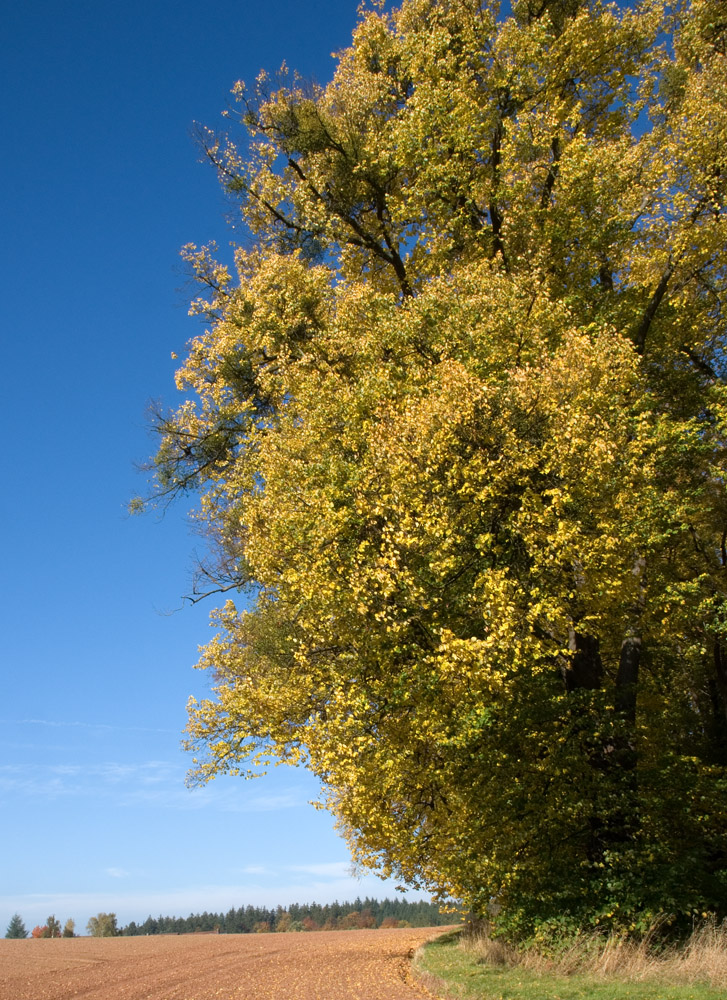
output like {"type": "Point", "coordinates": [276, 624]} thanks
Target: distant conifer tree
{"type": "Point", "coordinates": [16, 927]}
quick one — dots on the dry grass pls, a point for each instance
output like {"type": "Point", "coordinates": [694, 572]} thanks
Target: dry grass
{"type": "Point", "coordinates": [701, 959]}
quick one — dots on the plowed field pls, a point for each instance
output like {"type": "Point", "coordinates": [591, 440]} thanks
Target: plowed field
{"type": "Point", "coordinates": [334, 965]}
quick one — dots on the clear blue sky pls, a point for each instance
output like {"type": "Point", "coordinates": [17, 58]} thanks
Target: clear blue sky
{"type": "Point", "coordinates": [101, 185]}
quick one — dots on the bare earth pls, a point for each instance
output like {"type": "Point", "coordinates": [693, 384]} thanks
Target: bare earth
{"type": "Point", "coordinates": [325, 965]}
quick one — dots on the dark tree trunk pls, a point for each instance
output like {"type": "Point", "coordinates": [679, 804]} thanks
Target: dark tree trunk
{"type": "Point", "coordinates": [720, 671]}
{"type": "Point", "coordinates": [627, 678]}
{"type": "Point", "coordinates": [585, 668]}
{"type": "Point", "coordinates": [717, 687]}
{"type": "Point", "coordinates": [615, 813]}
{"type": "Point", "coordinates": [627, 684]}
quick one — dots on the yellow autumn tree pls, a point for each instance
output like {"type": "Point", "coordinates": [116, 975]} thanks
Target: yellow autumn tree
{"type": "Point", "coordinates": [457, 431]}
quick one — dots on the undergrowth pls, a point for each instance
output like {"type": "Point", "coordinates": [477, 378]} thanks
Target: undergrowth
{"type": "Point", "coordinates": [588, 968]}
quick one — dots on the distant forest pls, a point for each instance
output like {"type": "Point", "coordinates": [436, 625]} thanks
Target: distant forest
{"type": "Point", "coordinates": [313, 917]}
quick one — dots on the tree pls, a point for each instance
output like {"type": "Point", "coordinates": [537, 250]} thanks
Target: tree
{"type": "Point", "coordinates": [103, 925]}
{"type": "Point", "coordinates": [69, 929]}
{"type": "Point", "coordinates": [39, 932]}
{"type": "Point", "coordinates": [458, 428]}
{"type": "Point", "coordinates": [16, 927]}
{"type": "Point", "coordinates": [53, 927]}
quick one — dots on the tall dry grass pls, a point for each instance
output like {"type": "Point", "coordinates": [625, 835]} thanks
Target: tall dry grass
{"type": "Point", "coordinates": [701, 959]}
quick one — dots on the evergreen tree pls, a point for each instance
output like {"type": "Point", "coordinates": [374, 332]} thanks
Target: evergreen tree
{"type": "Point", "coordinates": [16, 927]}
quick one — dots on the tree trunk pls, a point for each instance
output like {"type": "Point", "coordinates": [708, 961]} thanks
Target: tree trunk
{"type": "Point", "coordinates": [585, 668]}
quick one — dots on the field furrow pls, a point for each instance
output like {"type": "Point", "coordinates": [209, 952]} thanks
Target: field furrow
{"type": "Point", "coordinates": [336, 965]}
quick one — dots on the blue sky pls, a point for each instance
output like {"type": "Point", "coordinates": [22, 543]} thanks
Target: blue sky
{"type": "Point", "coordinates": [101, 187]}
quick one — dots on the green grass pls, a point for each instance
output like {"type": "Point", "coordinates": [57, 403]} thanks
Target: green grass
{"type": "Point", "coordinates": [448, 969]}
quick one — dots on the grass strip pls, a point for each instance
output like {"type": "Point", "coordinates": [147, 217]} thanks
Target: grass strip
{"type": "Point", "coordinates": [449, 970]}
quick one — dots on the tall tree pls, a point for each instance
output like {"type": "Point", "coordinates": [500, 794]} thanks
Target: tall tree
{"type": "Point", "coordinates": [16, 927]}
{"type": "Point", "coordinates": [53, 927]}
{"type": "Point", "coordinates": [103, 925]}
{"type": "Point", "coordinates": [459, 433]}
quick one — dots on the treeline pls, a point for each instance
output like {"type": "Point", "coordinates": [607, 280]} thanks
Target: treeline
{"type": "Point", "coordinates": [309, 917]}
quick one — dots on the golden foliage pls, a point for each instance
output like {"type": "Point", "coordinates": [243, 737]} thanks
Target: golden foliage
{"type": "Point", "coordinates": [458, 426]}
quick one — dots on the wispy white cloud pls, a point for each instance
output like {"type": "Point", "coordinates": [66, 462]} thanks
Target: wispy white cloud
{"type": "Point", "coordinates": [231, 798]}
{"type": "Point", "coordinates": [330, 869]}
{"type": "Point", "coordinates": [73, 724]}
{"type": "Point", "coordinates": [52, 781]}
{"type": "Point", "coordinates": [27, 780]}
{"type": "Point", "coordinates": [137, 905]}
{"type": "Point", "coordinates": [117, 872]}
{"type": "Point", "coordinates": [155, 783]}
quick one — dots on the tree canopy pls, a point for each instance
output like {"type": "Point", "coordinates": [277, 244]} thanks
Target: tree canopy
{"type": "Point", "coordinates": [457, 430]}
{"type": "Point", "coordinates": [298, 917]}
{"type": "Point", "coordinates": [102, 925]}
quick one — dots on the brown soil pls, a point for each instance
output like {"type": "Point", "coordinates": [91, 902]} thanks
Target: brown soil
{"type": "Point", "coordinates": [326, 965]}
